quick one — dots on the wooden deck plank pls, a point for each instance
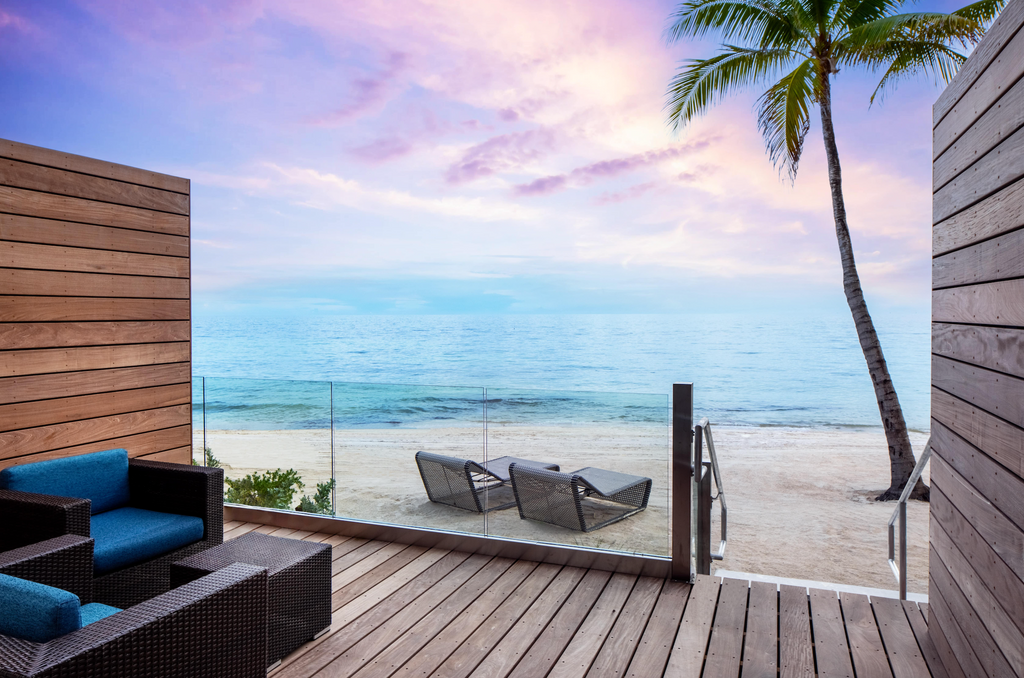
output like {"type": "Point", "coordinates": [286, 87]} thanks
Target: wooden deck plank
{"type": "Point", "coordinates": [831, 651]}
{"type": "Point", "coordinates": [345, 591]}
{"type": "Point", "coordinates": [423, 616]}
{"type": "Point", "coordinates": [618, 648]}
{"type": "Point", "coordinates": [869, 657]}
{"type": "Point", "coordinates": [657, 643]}
{"type": "Point", "coordinates": [372, 611]}
{"type": "Point", "coordinates": [552, 641]}
{"type": "Point", "coordinates": [504, 656]}
{"type": "Point", "coordinates": [905, 656]}
{"type": "Point", "coordinates": [235, 532]}
{"type": "Point", "coordinates": [490, 633]}
{"type": "Point", "coordinates": [344, 578]}
{"type": "Point", "coordinates": [355, 555]}
{"type": "Point", "coordinates": [687, 658]}
{"type": "Point", "coordinates": [916, 618]}
{"type": "Point", "coordinates": [761, 645]}
{"type": "Point", "coordinates": [585, 645]}
{"type": "Point", "coordinates": [726, 645]}
{"type": "Point", "coordinates": [440, 648]}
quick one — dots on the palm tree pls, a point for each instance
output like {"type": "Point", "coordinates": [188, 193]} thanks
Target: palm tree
{"type": "Point", "coordinates": [807, 42]}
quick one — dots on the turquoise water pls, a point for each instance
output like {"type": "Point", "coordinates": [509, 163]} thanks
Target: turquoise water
{"type": "Point", "coordinates": [448, 370]}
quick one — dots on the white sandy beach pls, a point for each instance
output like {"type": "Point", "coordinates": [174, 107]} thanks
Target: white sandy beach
{"type": "Point", "coordinates": [799, 499]}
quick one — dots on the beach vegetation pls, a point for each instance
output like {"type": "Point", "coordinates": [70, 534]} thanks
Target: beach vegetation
{"type": "Point", "coordinates": [794, 49]}
{"type": "Point", "coordinates": [208, 458]}
{"type": "Point", "coordinates": [320, 502]}
{"type": "Point", "coordinates": [273, 489]}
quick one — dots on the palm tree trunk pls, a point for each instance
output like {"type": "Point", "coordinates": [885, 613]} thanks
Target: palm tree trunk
{"type": "Point", "coordinates": [901, 456]}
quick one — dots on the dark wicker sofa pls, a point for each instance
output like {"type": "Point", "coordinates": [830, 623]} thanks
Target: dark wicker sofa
{"type": "Point", "coordinates": [27, 518]}
{"type": "Point", "coordinates": [213, 627]}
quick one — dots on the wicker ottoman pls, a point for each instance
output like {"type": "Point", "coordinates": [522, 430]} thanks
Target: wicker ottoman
{"type": "Point", "coordinates": [298, 583]}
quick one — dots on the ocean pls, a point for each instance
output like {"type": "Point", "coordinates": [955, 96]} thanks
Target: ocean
{"type": "Point", "coordinates": [464, 370]}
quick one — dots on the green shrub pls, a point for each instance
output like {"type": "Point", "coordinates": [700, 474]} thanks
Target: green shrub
{"type": "Point", "coordinates": [273, 489]}
{"type": "Point", "coordinates": [211, 460]}
{"type": "Point", "coordinates": [320, 502]}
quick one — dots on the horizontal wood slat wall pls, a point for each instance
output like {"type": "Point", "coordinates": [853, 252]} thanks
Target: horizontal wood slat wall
{"type": "Point", "coordinates": [95, 322]}
{"type": "Point", "coordinates": [976, 586]}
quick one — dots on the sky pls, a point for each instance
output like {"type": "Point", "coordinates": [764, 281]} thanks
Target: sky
{"type": "Point", "coordinates": [444, 156]}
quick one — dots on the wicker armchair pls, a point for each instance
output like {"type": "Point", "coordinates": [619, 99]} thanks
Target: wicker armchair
{"type": "Point", "coordinates": [213, 627]}
{"type": "Point", "coordinates": [155, 486]}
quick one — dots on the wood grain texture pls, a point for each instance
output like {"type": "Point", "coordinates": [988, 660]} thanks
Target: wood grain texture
{"type": "Point", "coordinates": [928, 644]}
{"type": "Point", "coordinates": [27, 203]}
{"type": "Point", "coordinates": [30, 415]}
{"type": "Point", "coordinates": [1001, 488]}
{"type": "Point", "coordinates": [70, 234]}
{"type": "Point", "coordinates": [996, 259]}
{"type": "Point", "coordinates": [584, 646]}
{"type": "Point", "coordinates": [994, 392]}
{"type": "Point", "coordinates": [869, 658]}
{"type": "Point", "coordinates": [69, 309]}
{"type": "Point", "coordinates": [137, 445]}
{"type": "Point", "coordinates": [656, 644]}
{"type": "Point", "coordinates": [761, 643]}
{"type": "Point", "coordinates": [1001, 166]}
{"type": "Point", "coordinates": [1006, 635]}
{"type": "Point", "coordinates": [726, 646]}
{"type": "Point", "coordinates": [57, 258]}
{"type": "Point", "coordinates": [966, 87]}
{"type": "Point", "coordinates": [48, 386]}
{"type": "Point", "coordinates": [181, 455]}
{"type": "Point", "coordinates": [31, 177]}
{"type": "Point", "coordinates": [949, 529]}
{"type": "Point", "coordinates": [996, 348]}
{"type": "Point", "coordinates": [1004, 118]}
{"type": "Point", "coordinates": [901, 647]}
{"type": "Point", "coordinates": [997, 303]}
{"type": "Point", "coordinates": [1001, 440]}
{"type": "Point", "coordinates": [60, 284]}
{"type": "Point", "coordinates": [618, 648]}
{"type": "Point", "coordinates": [56, 335]}
{"type": "Point", "coordinates": [46, 438]}
{"type": "Point", "coordinates": [691, 644]}
{"type": "Point", "coordinates": [831, 650]}
{"type": "Point", "coordinates": [953, 645]}
{"type": "Point", "coordinates": [996, 214]}
{"type": "Point", "coordinates": [52, 360]}
{"type": "Point", "coordinates": [796, 652]}
{"type": "Point", "coordinates": [100, 168]}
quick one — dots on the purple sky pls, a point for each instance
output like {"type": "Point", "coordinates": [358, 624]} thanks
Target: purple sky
{"type": "Point", "coordinates": [452, 156]}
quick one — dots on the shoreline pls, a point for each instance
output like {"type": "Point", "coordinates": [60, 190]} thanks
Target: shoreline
{"type": "Point", "coordinates": [799, 498]}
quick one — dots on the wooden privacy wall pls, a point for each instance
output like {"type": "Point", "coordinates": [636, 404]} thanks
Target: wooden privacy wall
{"type": "Point", "coordinates": [95, 336]}
{"type": "Point", "coordinates": [976, 586]}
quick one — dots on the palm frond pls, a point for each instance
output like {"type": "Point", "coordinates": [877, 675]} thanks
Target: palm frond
{"type": "Point", "coordinates": [852, 13]}
{"type": "Point", "coordinates": [863, 42]}
{"type": "Point", "coordinates": [758, 22]}
{"type": "Point", "coordinates": [984, 11]}
{"type": "Point", "coordinates": [701, 82]}
{"type": "Point", "coordinates": [908, 59]}
{"type": "Point", "coordinates": [783, 115]}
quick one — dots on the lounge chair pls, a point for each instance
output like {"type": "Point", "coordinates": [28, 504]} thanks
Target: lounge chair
{"type": "Point", "coordinates": [585, 500]}
{"type": "Point", "coordinates": [466, 484]}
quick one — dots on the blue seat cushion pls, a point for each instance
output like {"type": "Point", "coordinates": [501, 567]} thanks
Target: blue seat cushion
{"type": "Point", "coordinates": [99, 476]}
{"type": "Point", "coordinates": [36, 612]}
{"type": "Point", "coordinates": [93, 612]}
{"type": "Point", "coordinates": [126, 536]}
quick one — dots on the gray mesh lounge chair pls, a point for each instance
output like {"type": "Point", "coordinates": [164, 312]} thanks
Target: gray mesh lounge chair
{"type": "Point", "coordinates": [584, 500]}
{"type": "Point", "coordinates": [470, 485]}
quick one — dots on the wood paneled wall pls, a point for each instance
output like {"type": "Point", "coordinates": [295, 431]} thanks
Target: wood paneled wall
{"type": "Point", "coordinates": [95, 331]}
{"type": "Point", "coordinates": [976, 586]}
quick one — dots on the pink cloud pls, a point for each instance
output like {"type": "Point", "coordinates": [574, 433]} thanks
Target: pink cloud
{"type": "Point", "coordinates": [542, 186]}
{"type": "Point", "coordinates": [8, 20]}
{"type": "Point", "coordinates": [383, 150]}
{"type": "Point", "coordinates": [503, 152]}
{"type": "Point", "coordinates": [366, 93]}
{"type": "Point", "coordinates": [630, 193]}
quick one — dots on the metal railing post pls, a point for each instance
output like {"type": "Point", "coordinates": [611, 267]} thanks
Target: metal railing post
{"type": "Point", "coordinates": [705, 426]}
{"type": "Point", "coordinates": [682, 480]}
{"type": "Point", "coordinates": [900, 570]}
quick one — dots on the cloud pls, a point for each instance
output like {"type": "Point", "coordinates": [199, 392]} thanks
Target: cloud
{"type": "Point", "coordinates": [13, 21]}
{"type": "Point", "coordinates": [367, 92]}
{"type": "Point", "coordinates": [500, 153]}
{"type": "Point", "coordinates": [631, 193]}
{"type": "Point", "coordinates": [383, 150]}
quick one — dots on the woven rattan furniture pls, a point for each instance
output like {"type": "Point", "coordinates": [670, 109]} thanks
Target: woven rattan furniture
{"type": "Point", "coordinates": [585, 500]}
{"type": "Point", "coordinates": [214, 627]}
{"type": "Point", "coordinates": [299, 585]}
{"type": "Point", "coordinates": [470, 485]}
{"type": "Point", "coordinates": [154, 486]}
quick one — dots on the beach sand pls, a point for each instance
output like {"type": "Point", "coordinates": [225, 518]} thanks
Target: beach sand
{"type": "Point", "coordinates": [799, 499]}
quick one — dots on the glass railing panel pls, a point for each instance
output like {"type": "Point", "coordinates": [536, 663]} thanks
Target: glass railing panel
{"type": "Point", "coordinates": [615, 435]}
{"type": "Point", "coordinates": [198, 427]}
{"type": "Point", "coordinates": [378, 431]}
{"type": "Point", "coordinates": [273, 440]}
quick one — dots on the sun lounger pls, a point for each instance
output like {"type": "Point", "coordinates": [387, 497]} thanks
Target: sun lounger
{"type": "Point", "coordinates": [585, 500]}
{"type": "Point", "coordinates": [470, 485]}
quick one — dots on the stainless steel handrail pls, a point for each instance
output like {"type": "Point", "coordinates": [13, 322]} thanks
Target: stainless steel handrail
{"type": "Point", "coordinates": [706, 426]}
{"type": "Point", "coordinates": [900, 570]}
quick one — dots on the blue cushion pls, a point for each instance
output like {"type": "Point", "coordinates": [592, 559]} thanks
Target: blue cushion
{"type": "Point", "coordinates": [93, 612]}
{"type": "Point", "coordinates": [126, 536]}
{"type": "Point", "coordinates": [99, 476]}
{"type": "Point", "coordinates": [36, 612]}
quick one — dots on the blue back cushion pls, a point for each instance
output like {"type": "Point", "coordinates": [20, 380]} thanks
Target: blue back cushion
{"type": "Point", "coordinates": [126, 536]}
{"type": "Point", "coordinates": [93, 612]}
{"type": "Point", "coordinates": [36, 612]}
{"type": "Point", "coordinates": [99, 476]}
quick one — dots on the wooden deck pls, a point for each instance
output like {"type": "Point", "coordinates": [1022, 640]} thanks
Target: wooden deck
{"type": "Point", "coordinates": [402, 610]}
